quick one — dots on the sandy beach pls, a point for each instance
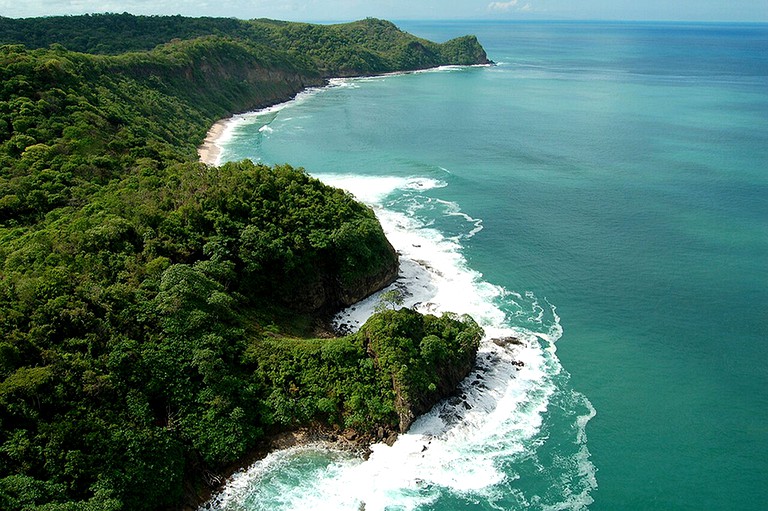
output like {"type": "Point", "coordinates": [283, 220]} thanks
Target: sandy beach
{"type": "Point", "coordinates": [209, 150]}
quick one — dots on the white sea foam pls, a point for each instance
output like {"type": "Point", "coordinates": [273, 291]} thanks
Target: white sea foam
{"type": "Point", "coordinates": [449, 68]}
{"type": "Point", "coordinates": [434, 277]}
{"type": "Point", "coordinates": [373, 189]}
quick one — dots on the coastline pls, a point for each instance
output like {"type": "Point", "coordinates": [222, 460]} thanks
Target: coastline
{"type": "Point", "coordinates": [209, 150]}
{"type": "Point", "coordinates": [330, 437]}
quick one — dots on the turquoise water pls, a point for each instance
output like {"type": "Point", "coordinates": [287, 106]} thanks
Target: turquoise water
{"type": "Point", "coordinates": [601, 194]}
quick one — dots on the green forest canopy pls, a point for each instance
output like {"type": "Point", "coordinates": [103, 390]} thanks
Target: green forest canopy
{"type": "Point", "coordinates": [156, 313]}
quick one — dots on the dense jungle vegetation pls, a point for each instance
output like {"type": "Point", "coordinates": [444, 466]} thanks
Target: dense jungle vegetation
{"type": "Point", "coordinates": [157, 315]}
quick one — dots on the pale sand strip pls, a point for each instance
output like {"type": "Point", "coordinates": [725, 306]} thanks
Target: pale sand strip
{"type": "Point", "coordinates": [209, 150]}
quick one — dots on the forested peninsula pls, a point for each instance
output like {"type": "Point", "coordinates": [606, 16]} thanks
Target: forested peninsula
{"type": "Point", "coordinates": [160, 317]}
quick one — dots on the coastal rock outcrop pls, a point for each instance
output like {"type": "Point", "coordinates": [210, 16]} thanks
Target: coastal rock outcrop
{"type": "Point", "coordinates": [425, 356]}
{"type": "Point", "coordinates": [412, 403]}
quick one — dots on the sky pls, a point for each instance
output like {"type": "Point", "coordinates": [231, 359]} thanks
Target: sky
{"type": "Point", "coordinates": [344, 10]}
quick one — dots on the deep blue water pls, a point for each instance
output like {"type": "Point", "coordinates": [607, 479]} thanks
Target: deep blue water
{"type": "Point", "coordinates": [602, 190]}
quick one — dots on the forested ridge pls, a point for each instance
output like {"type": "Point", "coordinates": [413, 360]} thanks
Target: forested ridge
{"type": "Point", "coordinates": [158, 316]}
{"type": "Point", "coordinates": [366, 46]}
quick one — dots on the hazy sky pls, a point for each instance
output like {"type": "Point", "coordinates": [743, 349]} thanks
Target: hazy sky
{"type": "Point", "coordinates": [320, 10]}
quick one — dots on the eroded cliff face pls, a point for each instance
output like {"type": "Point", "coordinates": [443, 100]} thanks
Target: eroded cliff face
{"type": "Point", "coordinates": [364, 286]}
{"type": "Point", "coordinates": [325, 291]}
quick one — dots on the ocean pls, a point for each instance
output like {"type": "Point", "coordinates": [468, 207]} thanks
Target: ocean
{"type": "Point", "coordinates": [601, 195]}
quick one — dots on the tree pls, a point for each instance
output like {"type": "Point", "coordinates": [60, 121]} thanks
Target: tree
{"type": "Point", "coordinates": [391, 299]}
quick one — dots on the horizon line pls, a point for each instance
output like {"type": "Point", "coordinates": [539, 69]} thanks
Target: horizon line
{"type": "Point", "coordinates": [474, 19]}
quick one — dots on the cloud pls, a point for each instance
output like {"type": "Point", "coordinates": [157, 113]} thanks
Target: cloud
{"type": "Point", "coordinates": [511, 5]}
